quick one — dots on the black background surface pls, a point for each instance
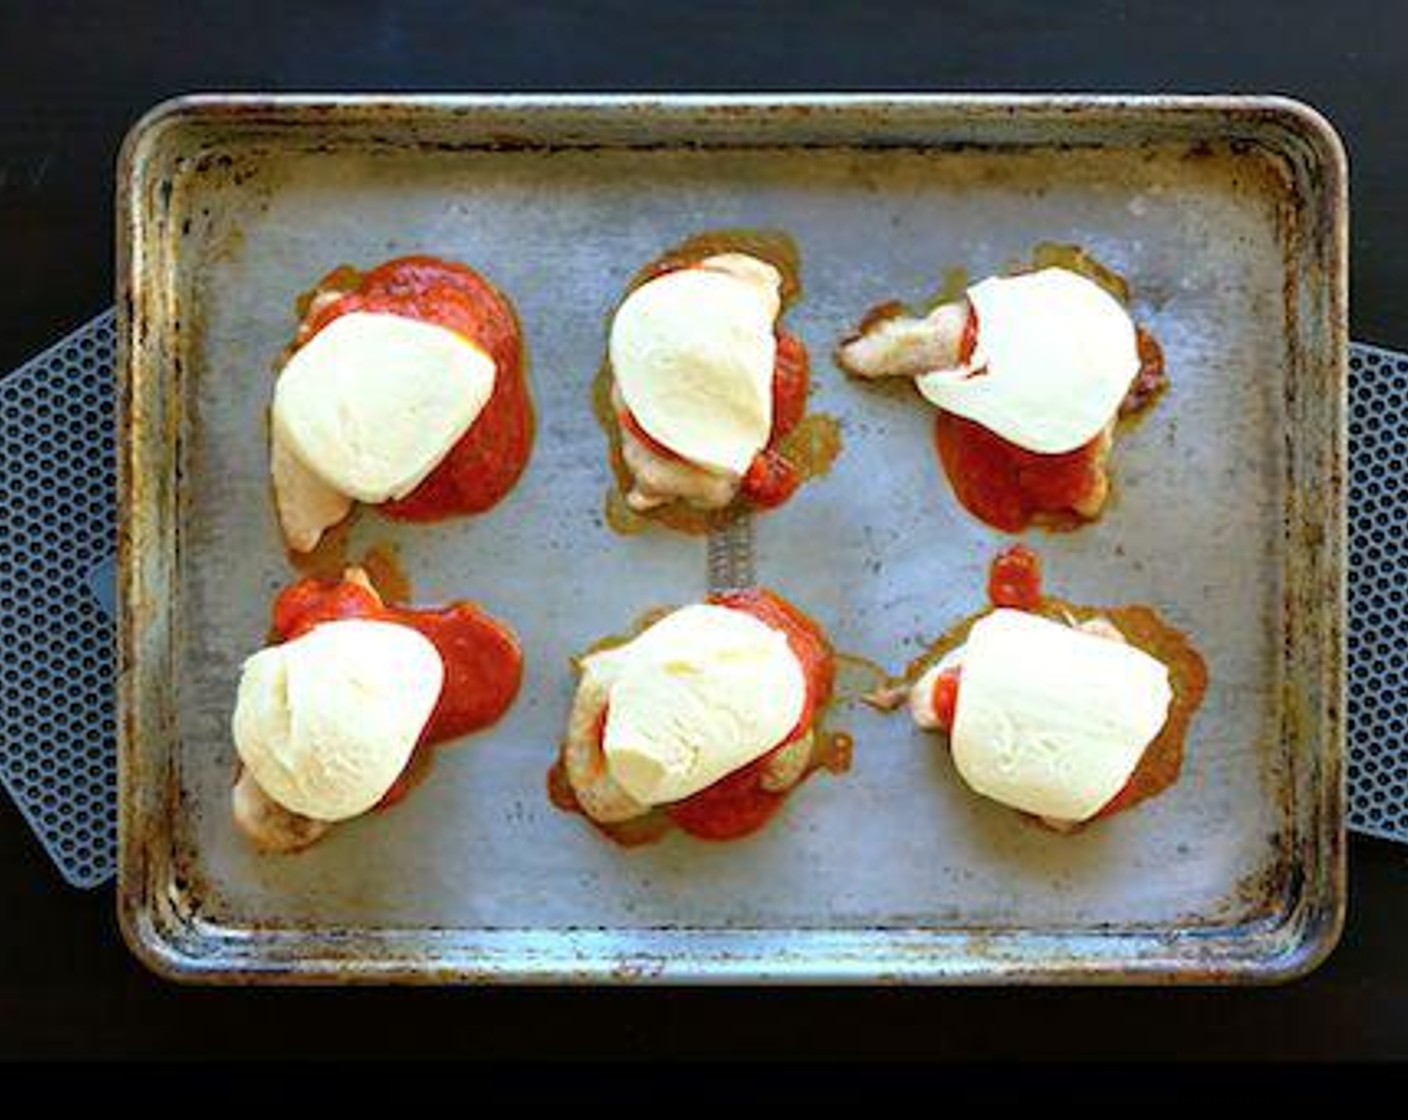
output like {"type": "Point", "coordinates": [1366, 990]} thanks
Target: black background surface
{"type": "Point", "coordinates": [73, 76]}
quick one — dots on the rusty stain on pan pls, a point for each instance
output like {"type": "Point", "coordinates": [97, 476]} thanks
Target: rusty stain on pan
{"type": "Point", "coordinates": [228, 205]}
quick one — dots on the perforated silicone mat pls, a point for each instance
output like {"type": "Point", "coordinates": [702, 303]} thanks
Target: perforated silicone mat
{"type": "Point", "coordinates": [57, 737]}
{"type": "Point", "coordinates": [58, 754]}
{"type": "Point", "coordinates": [1378, 602]}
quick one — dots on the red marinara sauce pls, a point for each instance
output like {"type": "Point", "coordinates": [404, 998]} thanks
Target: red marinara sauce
{"type": "Point", "coordinates": [485, 463]}
{"type": "Point", "coordinates": [771, 478]}
{"type": "Point", "coordinates": [483, 662]}
{"type": "Point", "coordinates": [1014, 579]}
{"type": "Point", "coordinates": [737, 804]}
{"type": "Point", "coordinates": [1004, 485]}
{"type": "Point", "coordinates": [945, 696]}
{"type": "Point", "coordinates": [1007, 486]}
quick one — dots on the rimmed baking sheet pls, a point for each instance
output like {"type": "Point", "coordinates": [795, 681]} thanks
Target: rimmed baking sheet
{"type": "Point", "coordinates": [1225, 215]}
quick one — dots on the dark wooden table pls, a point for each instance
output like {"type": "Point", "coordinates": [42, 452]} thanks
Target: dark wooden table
{"type": "Point", "coordinates": [73, 76]}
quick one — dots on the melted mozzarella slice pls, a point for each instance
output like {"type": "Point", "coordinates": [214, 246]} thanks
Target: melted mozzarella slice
{"type": "Point", "coordinates": [326, 722]}
{"type": "Point", "coordinates": [693, 353]}
{"type": "Point", "coordinates": [1051, 720]}
{"type": "Point", "coordinates": [1055, 355]}
{"type": "Point", "coordinates": [373, 402]}
{"type": "Point", "coordinates": [698, 695]}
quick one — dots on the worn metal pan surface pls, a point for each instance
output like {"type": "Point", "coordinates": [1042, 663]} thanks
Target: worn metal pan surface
{"type": "Point", "coordinates": [1227, 217]}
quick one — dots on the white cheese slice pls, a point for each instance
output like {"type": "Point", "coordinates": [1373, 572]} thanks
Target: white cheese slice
{"type": "Point", "coordinates": [693, 353]}
{"type": "Point", "coordinates": [326, 722]}
{"type": "Point", "coordinates": [373, 402]}
{"type": "Point", "coordinates": [1055, 355]}
{"type": "Point", "coordinates": [1051, 720]}
{"type": "Point", "coordinates": [698, 695]}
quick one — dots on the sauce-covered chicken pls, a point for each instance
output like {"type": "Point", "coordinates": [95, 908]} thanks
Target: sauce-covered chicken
{"type": "Point", "coordinates": [1030, 374]}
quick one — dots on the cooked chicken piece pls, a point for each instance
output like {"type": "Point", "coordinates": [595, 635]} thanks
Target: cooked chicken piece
{"type": "Point", "coordinates": [920, 695]}
{"type": "Point", "coordinates": [1092, 501]}
{"type": "Point", "coordinates": [307, 506]}
{"type": "Point", "coordinates": [355, 573]}
{"type": "Point", "coordinates": [888, 697]}
{"type": "Point", "coordinates": [899, 345]}
{"type": "Point", "coordinates": [598, 793]}
{"type": "Point", "coordinates": [893, 344]}
{"type": "Point", "coordinates": [267, 824]}
{"type": "Point", "coordinates": [658, 480]}
{"type": "Point", "coordinates": [322, 299]}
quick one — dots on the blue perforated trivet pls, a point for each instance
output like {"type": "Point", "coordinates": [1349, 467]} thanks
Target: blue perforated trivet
{"type": "Point", "coordinates": [57, 750]}
{"type": "Point", "coordinates": [1378, 604]}
{"type": "Point", "coordinates": [58, 755]}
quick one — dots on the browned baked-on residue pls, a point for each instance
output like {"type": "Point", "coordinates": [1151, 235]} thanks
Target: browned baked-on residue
{"type": "Point", "coordinates": [1162, 761]}
{"type": "Point", "coordinates": [1074, 258]}
{"type": "Point", "coordinates": [833, 751]}
{"type": "Point", "coordinates": [857, 677]}
{"type": "Point", "coordinates": [1149, 383]}
{"type": "Point", "coordinates": [328, 558]}
{"type": "Point", "coordinates": [332, 557]}
{"type": "Point", "coordinates": [773, 246]}
{"type": "Point", "coordinates": [382, 563]}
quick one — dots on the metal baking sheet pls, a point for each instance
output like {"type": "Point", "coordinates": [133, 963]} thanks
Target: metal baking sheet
{"type": "Point", "coordinates": [1227, 216]}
